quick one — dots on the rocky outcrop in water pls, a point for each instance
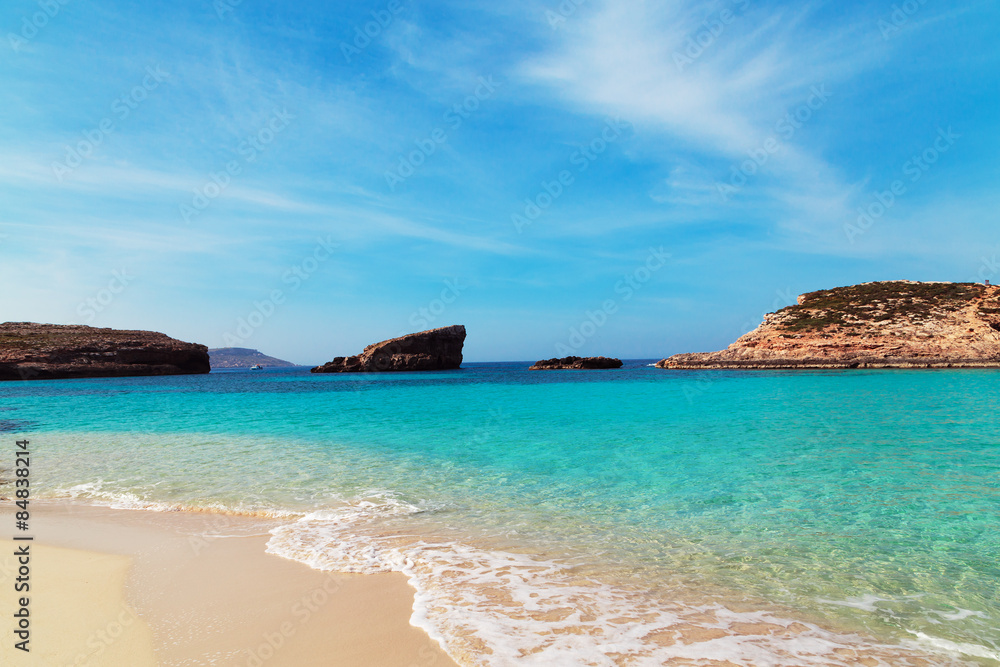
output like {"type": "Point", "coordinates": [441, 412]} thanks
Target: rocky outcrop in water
{"type": "Point", "coordinates": [893, 324]}
{"type": "Point", "coordinates": [576, 363]}
{"type": "Point", "coordinates": [30, 351]}
{"type": "Point", "coordinates": [434, 350]}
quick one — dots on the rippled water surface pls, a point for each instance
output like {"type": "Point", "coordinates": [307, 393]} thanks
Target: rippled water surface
{"type": "Point", "coordinates": [602, 517]}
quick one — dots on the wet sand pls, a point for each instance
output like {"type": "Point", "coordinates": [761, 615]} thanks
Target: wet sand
{"type": "Point", "coordinates": [131, 588]}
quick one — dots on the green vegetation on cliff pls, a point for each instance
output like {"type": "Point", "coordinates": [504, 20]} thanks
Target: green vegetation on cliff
{"type": "Point", "coordinates": [876, 302]}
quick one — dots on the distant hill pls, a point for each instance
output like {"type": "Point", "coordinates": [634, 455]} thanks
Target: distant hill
{"type": "Point", "coordinates": [241, 357]}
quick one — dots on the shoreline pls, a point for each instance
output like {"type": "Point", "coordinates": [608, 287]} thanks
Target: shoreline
{"type": "Point", "coordinates": [198, 588]}
{"type": "Point", "coordinates": [135, 588]}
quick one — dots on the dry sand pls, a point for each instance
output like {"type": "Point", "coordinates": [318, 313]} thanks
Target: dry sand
{"type": "Point", "coordinates": [132, 588]}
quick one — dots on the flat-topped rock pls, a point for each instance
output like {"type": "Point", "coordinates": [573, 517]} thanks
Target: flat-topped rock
{"type": "Point", "coordinates": [576, 363]}
{"type": "Point", "coordinates": [30, 351]}
{"type": "Point", "coordinates": [892, 324]}
{"type": "Point", "coordinates": [434, 350]}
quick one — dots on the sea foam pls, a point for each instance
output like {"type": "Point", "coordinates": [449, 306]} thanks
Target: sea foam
{"type": "Point", "coordinates": [491, 608]}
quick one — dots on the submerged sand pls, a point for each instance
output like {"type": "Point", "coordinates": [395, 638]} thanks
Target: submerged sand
{"type": "Point", "coordinates": [136, 588]}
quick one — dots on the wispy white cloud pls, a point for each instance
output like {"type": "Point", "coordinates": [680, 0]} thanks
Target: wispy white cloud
{"type": "Point", "coordinates": [724, 100]}
{"type": "Point", "coordinates": [622, 59]}
{"type": "Point", "coordinates": [105, 182]}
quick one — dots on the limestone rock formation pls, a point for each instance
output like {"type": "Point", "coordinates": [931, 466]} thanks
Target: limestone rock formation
{"type": "Point", "coordinates": [30, 351]}
{"type": "Point", "coordinates": [576, 363]}
{"type": "Point", "coordinates": [893, 324]}
{"type": "Point", "coordinates": [434, 350]}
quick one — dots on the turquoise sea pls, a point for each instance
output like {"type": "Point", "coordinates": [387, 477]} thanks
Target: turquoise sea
{"type": "Point", "coordinates": [627, 517]}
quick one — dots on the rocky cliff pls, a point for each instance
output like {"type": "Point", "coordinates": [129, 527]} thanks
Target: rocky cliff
{"type": "Point", "coordinates": [242, 357]}
{"type": "Point", "coordinates": [895, 324]}
{"type": "Point", "coordinates": [576, 363]}
{"type": "Point", "coordinates": [31, 351]}
{"type": "Point", "coordinates": [434, 350]}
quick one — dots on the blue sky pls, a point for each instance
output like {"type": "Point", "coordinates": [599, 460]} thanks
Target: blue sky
{"type": "Point", "coordinates": [632, 179]}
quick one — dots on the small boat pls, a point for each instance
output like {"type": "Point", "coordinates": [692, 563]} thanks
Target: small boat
{"type": "Point", "coordinates": [256, 367]}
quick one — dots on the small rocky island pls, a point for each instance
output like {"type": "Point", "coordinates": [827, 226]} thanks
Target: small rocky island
{"type": "Point", "coordinates": [576, 363]}
{"type": "Point", "coordinates": [433, 350]}
{"type": "Point", "coordinates": [242, 357]}
{"type": "Point", "coordinates": [30, 351]}
{"type": "Point", "coordinates": [892, 324]}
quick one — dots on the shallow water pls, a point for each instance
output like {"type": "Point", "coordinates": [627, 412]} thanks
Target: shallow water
{"type": "Point", "coordinates": [604, 517]}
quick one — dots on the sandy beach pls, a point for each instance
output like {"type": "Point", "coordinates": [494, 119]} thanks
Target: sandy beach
{"type": "Point", "coordinates": [118, 587]}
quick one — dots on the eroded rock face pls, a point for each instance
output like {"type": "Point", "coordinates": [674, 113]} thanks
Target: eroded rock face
{"type": "Point", "coordinates": [576, 363]}
{"type": "Point", "coordinates": [30, 351]}
{"type": "Point", "coordinates": [434, 350]}
{"type": "Point", "coordinates": [893, 324]}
